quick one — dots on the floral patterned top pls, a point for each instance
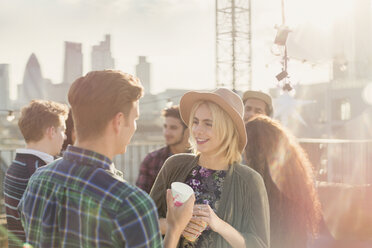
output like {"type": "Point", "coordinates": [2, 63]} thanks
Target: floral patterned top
{"type": "Point", "coordinates": [207, 185]}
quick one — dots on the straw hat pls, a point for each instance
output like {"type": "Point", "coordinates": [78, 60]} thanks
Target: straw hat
{"type": "Point", "coordinates": [224, 98]}
{"type": "Point", "coordinates": [260, 96]}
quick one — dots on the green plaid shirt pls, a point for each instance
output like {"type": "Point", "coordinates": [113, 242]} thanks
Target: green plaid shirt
{"type": "Point", "coordinates": [80, 201]}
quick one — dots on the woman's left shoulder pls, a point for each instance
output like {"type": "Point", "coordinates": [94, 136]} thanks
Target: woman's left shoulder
{"type": "Point", "coordinates": [247, 174]}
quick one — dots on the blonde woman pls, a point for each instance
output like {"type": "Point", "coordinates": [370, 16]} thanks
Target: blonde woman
{"type": "Point", "coordinates": [230, 198]}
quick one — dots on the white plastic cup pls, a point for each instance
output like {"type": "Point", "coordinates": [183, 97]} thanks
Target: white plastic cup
{"type": "Point", "coordinates": [181, 192]}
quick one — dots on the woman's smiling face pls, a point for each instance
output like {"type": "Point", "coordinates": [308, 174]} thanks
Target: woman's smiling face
{"type": "Point", "coordinates": [203, 131]}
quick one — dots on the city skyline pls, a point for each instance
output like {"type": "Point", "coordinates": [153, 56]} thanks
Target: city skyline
{"type": "Point", "coordinates": [48, 24]}
{"type": "Point", "coordinates": [177, 37]}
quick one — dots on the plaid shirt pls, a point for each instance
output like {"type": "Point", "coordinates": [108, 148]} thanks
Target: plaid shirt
{"type": "Point", "coordinates": [81, 201]}
{"type": "Point", "coordinates": [150, 168]}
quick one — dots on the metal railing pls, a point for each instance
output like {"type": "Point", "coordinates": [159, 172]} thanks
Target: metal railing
{"type": "Point", "coordinates": [128, 163]}
{"type": "Point", "coordinates": [340, 161]}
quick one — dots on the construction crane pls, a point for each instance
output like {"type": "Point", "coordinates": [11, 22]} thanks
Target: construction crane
{"type": "Point", "coordinates": [233, 44]}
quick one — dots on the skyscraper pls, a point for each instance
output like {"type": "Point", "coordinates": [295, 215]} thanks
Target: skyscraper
{"type": "Point", "coordinates": [101, 55]}
{"type": "Point", "coordinates": [143, 73]}
{"type": "Point", "coordinates": [4, 86]}
{"type": "Point", "coordinates": [353, 37]}
{"type": "Point", "coordinates": [33, 82]}
{"type": "Point", "coordinates": [73, 68]}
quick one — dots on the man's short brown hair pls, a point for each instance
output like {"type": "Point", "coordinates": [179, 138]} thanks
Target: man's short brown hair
{"type": "Point", "coordinates": [173, 111]}
{"type": "Point", "coordinates": [98, 96]}
{"type": "Point", "coordinates": [38, 116]}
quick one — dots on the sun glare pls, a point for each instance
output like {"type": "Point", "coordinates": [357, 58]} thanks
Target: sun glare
{"type": "Point", "coordinates": [321, 14]}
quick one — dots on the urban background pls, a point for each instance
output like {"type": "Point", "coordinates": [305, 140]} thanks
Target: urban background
{"type": "Point", "coordinates": [331, 118]}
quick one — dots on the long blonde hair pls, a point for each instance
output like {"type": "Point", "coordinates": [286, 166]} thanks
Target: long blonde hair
{"type": "Point", "coordinates": [225, 131]}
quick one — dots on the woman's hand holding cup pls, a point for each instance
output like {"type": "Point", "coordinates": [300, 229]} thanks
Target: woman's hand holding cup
{"type": "Point", "coordinates": [194, 228]}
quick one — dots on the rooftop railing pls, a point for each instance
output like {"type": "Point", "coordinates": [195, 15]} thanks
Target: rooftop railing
{"type": "Point", "coordinates": [340, 161]}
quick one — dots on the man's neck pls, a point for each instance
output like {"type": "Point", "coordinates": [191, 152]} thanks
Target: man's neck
{"type": "Point", "coordinates": [180, 148]}
{"type": "Point", "coordinates": [98, 146]}
{"type": "Point", "coordinates": [39, 146]}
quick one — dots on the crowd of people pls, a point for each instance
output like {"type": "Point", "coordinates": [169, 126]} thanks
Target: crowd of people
{"type": "Point", "coordinates": [253, 184]}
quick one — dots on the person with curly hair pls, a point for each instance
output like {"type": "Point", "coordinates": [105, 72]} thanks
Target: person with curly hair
{"type": "Point", "coordinates": [287, 172]}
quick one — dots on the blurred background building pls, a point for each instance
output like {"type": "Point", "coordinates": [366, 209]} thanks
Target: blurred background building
{"type": "Point", "coordinates": [73, 66]}
{"type": "Point", "coordinates": [143, 71]}
{"type": "Point", "coordinates": [101, 55]}
{"type": "Point", "coordinates": [4, 86]}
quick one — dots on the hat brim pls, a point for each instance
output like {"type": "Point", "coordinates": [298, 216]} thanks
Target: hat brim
{"type": "Point", "coordinates": [190, 98]}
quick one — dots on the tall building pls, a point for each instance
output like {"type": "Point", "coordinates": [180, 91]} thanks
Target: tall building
{"type": "Point", "coordinates": [101, 55]}
{"type": "Point", "coordinates": [353, 51]}
{"type": "Point", "coordinates": [143, 73]}
{"type": "Point", "coordinates": [4, 86]}
{"type": "Point", "coordinates": [33, 86]}
{"type": "Point", "coordinates": [332, 112]}
{"type": "Point", "coordinates": [73, 67]}
{"type": "Point", "coordinates": [57, 92]}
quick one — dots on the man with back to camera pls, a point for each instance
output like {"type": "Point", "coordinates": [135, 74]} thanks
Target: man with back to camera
{"type": "Point", "coordinates": [82, 200]}
{"type": "Point", "coordinates": [176, 135]}
{"type": "Point", "coordinates": [255, 103]}
{"type": "Point", "coordinates": [42, 124]}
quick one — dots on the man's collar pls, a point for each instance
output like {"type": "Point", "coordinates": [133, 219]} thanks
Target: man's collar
{"type": "Point", "coordinates": [86, 156]}
{"type": "Point", "coordinates": [47, 158]}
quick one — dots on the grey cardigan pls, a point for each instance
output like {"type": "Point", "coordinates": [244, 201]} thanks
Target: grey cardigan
{"type": "Point", "coordinates": [243, 204]}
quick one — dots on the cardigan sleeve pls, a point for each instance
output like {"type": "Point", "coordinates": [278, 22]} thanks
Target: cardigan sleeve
{"type": "Point", "coordinates": [258, 216]}
{"type": "Point", "coordinates": [175, 169]}
{"type": "Point", "coordinates": [159, 189]}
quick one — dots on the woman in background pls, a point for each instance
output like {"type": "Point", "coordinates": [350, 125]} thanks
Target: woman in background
{"type": "Point", "coordinates": [70, 132]}
{"type": "Point", "coordinates": [294, 206]}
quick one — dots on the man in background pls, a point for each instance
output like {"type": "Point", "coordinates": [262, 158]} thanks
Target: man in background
{"type": "Point", "coordinates": [176, 135]}
{"type": "Point", "coordinates": [42, 124]}
{"type": "Point", "coordinates": [255, 103]}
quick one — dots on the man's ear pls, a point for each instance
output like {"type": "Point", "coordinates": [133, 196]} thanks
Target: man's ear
{"type": "Point", "coordinates": [50, 132]}
{"type": "Point", "coordinates": [73, 136]}
{"type": "Point", "coordinates": [118, 122]}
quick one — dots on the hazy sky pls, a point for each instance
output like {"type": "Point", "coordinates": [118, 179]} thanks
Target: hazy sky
{"type": "Point", "coordinates": [177, 36]}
